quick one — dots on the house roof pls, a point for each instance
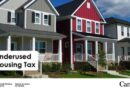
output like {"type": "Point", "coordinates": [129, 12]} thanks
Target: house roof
{"type": "Point", "coordinates": [69, 8]}
{"type": "Point", "coordinates": [14, 4]}
{"type": "Point", "coordinates": [6, 29]}
{"type": "Point", "coordinates": [124, 40]}
{"type": "Point", "coordinates": [95, 35]}
{"type": "Point", "coordinates": [113, 20]}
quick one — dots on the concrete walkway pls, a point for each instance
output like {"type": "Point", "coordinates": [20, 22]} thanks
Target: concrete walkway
{"type": "Point", "coordinates": [117, 74]}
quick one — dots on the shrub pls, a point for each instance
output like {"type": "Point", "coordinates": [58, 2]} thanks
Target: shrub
{"type": "Point", "coordinates": [84, 66]}
{"type": "Point", "coordinates": [51, 67]}
{"type": "Point", "coordinates": [124, 65]}
{"type": "Point", "coordinates": [8, 73]}
{"type": "Point", "coordinates": [65, 68]}
{"type": "Point", "coordinates": [112, 66]}
{"type": "Point", "coordinates": [102, 58]}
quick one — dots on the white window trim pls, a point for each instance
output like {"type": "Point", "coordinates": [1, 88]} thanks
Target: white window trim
{"type": "Point", "coordinates": [43, 18]}
{"type": "Point", "coordinates": [39, 17]}
{"type": "Point", "coordinates": [42, 42]}
{"type": "Point", "coordinates": [77, 24]}
{"type": "Point", "coordinates": [88, 5]}
{"type": "Point", "coordinates": [90, 26]}
{"type": "Point", "coordinates": [96, 27]}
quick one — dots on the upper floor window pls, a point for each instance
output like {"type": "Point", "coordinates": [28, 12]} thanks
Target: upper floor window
{"type": "Point", "coordinates": [36, 17]}
{"type": "Point", "coordinates": [128, 32]}
{"type": "Point", "coordinates": [79, 25]}
{"type": "Point", "coordinates": [97, 28]}
{"type": "Point", "coordinates": [46, 19]}
{"type": "Point", "coordinates": [88, 25]}
{"type": "Point", "coordinates": [88, 5]}
{"type": "Point", "coordinates": [11, 17]}
{"type": "Point", "coordinates": [122, 31]}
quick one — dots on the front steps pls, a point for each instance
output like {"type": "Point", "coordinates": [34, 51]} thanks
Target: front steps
{"type": "Point", "coordinates": [34, 74]}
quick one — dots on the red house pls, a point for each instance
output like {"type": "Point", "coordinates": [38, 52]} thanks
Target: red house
{"type": "Point", "coordinates": [83, 24]}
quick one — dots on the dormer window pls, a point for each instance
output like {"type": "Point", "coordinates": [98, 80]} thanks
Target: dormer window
{"type": "Point", "coordinates": [11, 17]}
{"type": "Point", "coordinates": [88, 5]}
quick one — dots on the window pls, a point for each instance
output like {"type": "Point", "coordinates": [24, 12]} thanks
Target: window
{"type": "Point", "coordinates": [97, 28]}
{"type": "Point", "coordinates": [79, 25]}
{"type": "Point", "coordinates": [122, 31]}
{"type": "Point", "coordinates": [47, 19]}
{"type": "Point", "coordinates": [128, 32]}
{"type": "Point", "coordinates": [88, 25]}
{"type": "Point", "coordinates": [11, 17]}
{"type": "Point", "coordinates": [88, 5]}
{"type": "Point", "coordinates": [128, 50]}
{"type": "Point", "coordinates": [41, 46]}
{"type": "Point", "coordinates": [36, 17]}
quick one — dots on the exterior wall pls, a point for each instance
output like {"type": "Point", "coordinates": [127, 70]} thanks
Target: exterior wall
{"type": "Point", "coordinates": [3, 41]}
{"type": "Point", "coordinates": [119, 28]}
{"type": "Point", "coordinates": [3, 16]}
{"type": "Point", "coordinates": [63, 27]}
{"type": "Point", "coordinates": [111, 30]}
{"type": "Point", "coordinates": [90, 14]}
{"type": "Point", "coordinates": [33, 26]}
{"type": "Point", "coordinates": [42, 6]}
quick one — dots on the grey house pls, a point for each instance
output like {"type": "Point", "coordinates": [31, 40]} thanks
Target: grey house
{"type": "Point", "coordinates": [119, 30]}
{"type": "Point", "coordinates": [27, 25]}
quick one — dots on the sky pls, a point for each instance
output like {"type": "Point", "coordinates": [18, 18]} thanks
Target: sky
{"type": "Point", "coordinates": [109, 8]}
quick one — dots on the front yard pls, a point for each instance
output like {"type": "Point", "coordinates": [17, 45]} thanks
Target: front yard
{"type": "Point", "coordinates": [127, 72]}
{"type": "Point", "coordinates": [79, 75]}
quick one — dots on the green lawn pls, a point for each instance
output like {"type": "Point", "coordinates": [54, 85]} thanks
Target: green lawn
{"type": "Point", "coordinates": [78, 75]}
{"type": "Point", "coordinates": [125, 72]}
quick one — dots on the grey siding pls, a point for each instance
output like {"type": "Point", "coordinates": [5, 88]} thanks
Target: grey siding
{"type": "Point", "coordinates": [3, 45]}
{"type": "Point", "coordinates": [3, 16]}
{"type": "Point", "coordinates": [111, 30]}
{"type": "Point", "coordinates": [33, 26]}
{"type": "Point", "coordinates": [42, 5]}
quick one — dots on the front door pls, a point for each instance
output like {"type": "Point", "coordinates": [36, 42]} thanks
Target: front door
{"type": "Point", "coordinates": [79, 51]}
{"type": "Point", "coordinates": [90, 49]}
{"type": "Point", "coordinates": [13, 46]}
{"type": "Point", "coordinates": [122, 53]}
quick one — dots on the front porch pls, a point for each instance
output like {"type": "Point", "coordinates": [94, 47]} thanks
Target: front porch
{"type": "Point", "coordinates": [86, 49]}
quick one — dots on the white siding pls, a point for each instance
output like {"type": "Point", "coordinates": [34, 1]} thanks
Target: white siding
{"type": "Point", "coordinates": [119, 31]}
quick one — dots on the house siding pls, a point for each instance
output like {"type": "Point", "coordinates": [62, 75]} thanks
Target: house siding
{"type": "Point", "coordinates": [30, 25]}
{"type": "Point", "coordinates": [3, 16]}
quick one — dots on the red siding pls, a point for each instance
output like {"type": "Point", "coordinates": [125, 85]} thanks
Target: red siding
{"type": "Point", "coordinates": [86, 13]}
{"type": "Point", "coordinates": [84, 25]}
{"type": "Point", "coordinates": [91, 13]}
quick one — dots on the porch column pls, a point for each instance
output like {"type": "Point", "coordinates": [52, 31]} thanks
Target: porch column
{"type": "Point", "coordinates": [96, 53]}
{"type": "Point", "coordinates": [106, 55]}
{"type": "Point", "coordinates": [86, 50]}
{"type": "Point", "coordinates": [113, 50]}
{"type": "Point", "coordinates": [60, 50]}
{"type": "Point", "coordinates": [9, 43]}
{"type": "Point", "coordinates": [33, 43]}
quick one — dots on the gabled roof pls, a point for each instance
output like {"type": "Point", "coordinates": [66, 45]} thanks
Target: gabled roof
{"type": "Point", "coordinates": [113, 20]}
{"type": "Point", "coordinates": [70, 8]}
{"type": "Point", "coordinates": [13, 4]}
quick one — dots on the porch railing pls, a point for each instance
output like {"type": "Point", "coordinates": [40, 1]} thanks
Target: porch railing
{"type": "Point", "coordinates": [124, 58]}
{"type": "Point", "coordinates": [49, 57]}
{"type": "Point", "coordinates": [79, 57]}
{"type": "Point", "coordinates": [109, 57]}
